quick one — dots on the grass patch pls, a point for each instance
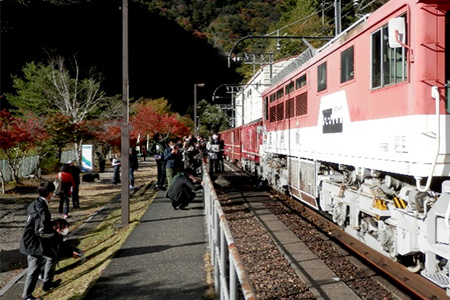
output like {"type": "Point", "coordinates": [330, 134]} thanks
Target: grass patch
{"type": "Point", "coordinates": [210, 293]}
{"type": "Point", "coordinates": [99, 245]}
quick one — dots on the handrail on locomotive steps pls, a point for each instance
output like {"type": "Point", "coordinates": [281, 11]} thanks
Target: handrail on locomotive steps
{"type": "Point", "coordinates": [436, 96]}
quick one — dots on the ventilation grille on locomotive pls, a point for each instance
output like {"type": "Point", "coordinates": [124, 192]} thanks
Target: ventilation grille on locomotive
{"type": "Point", "coordinates": [303, 179]}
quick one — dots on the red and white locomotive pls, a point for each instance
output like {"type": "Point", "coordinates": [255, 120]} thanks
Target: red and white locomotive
{"type": "Point", "coordinates": [359, 131]}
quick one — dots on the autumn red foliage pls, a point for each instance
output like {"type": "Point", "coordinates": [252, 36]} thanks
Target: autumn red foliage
{"type": "Point", "coordinates": [17, 137]}
{"type": "Point", "coordinates": [149, 117]}
{"type": "Point", "coordinates": [155, 117]}
{"type": "Point", "coordinates": [13, 131]}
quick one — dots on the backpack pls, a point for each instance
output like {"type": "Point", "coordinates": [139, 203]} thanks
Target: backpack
{"type": "Point", "coordinates": [58, 185]}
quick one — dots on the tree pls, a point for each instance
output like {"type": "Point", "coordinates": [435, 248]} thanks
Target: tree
{"type": "Point", "coordinates": [61, 130]}
{"type": "Point", "coordinates": [39, 135]}
{"type": "Point", "coordinates": [212, 119]}
{"type": "Point", "coordinates": [17, 137]}
{"type": "Point", "coordinates": [54, 88]}
{"type": "Point", "coordinates": [109, 132]}
{"type": "Point", "coordinates": [162, 119]}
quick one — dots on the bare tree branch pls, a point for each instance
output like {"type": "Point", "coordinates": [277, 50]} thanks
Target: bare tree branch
{"type": "Point", "coordinates": [73, 96]}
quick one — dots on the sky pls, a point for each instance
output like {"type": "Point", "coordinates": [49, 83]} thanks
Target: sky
{"type": "Point", "coordinates": [164, 60]}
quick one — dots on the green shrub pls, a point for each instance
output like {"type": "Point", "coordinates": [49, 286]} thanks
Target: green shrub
{"type": "Point", "coordinates": [49, 165]}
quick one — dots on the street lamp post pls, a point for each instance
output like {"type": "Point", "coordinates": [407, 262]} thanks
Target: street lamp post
{"type": "Point", "coordinates": [195, 106]}
{"type": "Point", "coordinates": [125, 133]}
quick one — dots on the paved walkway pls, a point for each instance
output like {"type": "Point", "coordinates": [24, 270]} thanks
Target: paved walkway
{"type": "Point", "coordinates": [161, 259]}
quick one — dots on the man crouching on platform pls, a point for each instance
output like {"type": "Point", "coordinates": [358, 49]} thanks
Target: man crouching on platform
{"type": "Point", "coordinates": [181, 191]}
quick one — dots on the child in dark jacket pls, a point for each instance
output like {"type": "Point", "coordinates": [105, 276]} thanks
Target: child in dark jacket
{"type": "Point", "coordinates": [58, 249]}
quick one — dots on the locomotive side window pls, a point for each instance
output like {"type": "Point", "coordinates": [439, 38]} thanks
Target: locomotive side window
{"type": "Point", "coordinates": [376, 59]}
{"type": "Point", "coordinates": [289, 88]}
{"type": "Point", "coordinates": [322, 77]}
{"type": "Point", "coordinates": [272, 98]}
{"type": "Point", "coordinates": [280, 93]}
{"type": "Point", "coordinates": [300, 82]}
{"type": "Point", "coordinates": [388, 64]}
{"type": "Point", "coordinates": [347, 65]}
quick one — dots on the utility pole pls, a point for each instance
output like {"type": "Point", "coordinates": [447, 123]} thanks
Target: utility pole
{"type": "Point", "coordinates": [1, 77]}
{"type": "Point", "coordinates": [337, 17]}
{"type": "Point", "coordinates": [323, 13]}
{"type": "Point", "coordinates": [125, 138]}
{"type": "Point", "coordinates": [195, 106]}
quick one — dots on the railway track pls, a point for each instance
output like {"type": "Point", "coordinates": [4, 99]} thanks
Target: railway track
{"type": "Point", "coordinates": [416, 285]}
{"type": "Point", "coordinates": [290, 211]}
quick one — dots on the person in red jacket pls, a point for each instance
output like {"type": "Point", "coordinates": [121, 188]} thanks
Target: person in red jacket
{"type": "Point", "coordinates": [67, 184]}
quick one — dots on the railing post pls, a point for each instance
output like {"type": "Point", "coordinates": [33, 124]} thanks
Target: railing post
{"type": "Point", "coordinates": [216, 250]}
{"type": "Point", "coordinates": [211, 225]}
{"type": "Point", "coordinates": [223, 261]}
{"type": "Point", "coordinates": [233, 280]}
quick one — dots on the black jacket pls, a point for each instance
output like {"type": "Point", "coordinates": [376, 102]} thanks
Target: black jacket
{"type": "Point", "coordinates": [38, 229]}
{"type": "Point", "coordinates": [182, 189]}
{"type": "Point", "coordinates": [75, 171]}
{"type": "Point", "coordinates": [134, 164]}
{"type": "Point", "coordinates": [58, 248]}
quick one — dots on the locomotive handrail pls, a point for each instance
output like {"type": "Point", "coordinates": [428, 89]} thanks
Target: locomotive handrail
{"type": "Point", "coordinates": [447, 216]}
{"type": "Point", "coordinates": [436, 96]}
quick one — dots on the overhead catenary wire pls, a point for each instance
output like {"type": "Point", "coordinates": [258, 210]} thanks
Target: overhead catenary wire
{"type": "Point", "coordinates": [324, 10]}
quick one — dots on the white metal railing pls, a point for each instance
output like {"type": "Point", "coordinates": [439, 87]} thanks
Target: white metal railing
{"type": "Point", "coordinates": [229, 271]}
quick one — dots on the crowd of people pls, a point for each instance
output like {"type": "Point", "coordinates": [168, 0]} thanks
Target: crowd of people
{"type": "Point", "coordinates": [178, 166]}
{"type": "Point", "coordinates": [173, 155]}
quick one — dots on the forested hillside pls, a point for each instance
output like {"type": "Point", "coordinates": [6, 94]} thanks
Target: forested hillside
{"type": "Point", "coordinates": [223, 22]}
